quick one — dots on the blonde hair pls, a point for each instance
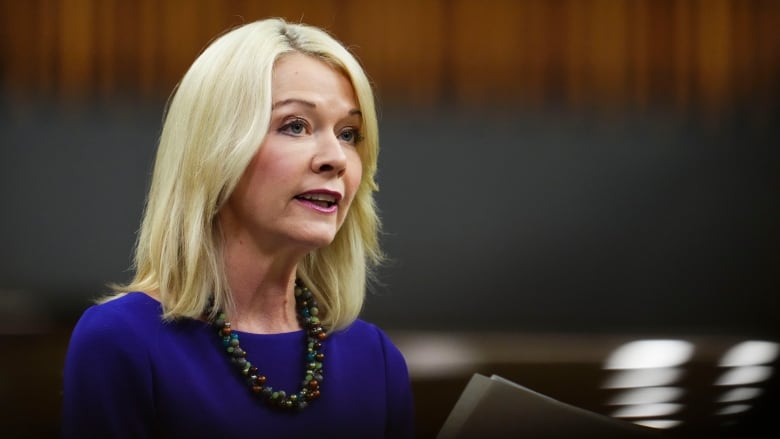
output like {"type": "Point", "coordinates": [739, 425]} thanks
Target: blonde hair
{"type": "Point", "coordinates": [216, 119]}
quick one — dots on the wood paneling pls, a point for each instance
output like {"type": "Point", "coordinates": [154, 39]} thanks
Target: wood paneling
{"type": "Point", "coordinates": [531, 52]}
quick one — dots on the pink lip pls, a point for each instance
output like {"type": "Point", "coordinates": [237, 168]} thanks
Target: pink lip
{"type": "Point", "coordinates": [313, 205]}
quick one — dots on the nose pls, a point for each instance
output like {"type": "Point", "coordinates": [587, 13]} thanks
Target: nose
{"type": "Point", "coordinates": [329, 156]}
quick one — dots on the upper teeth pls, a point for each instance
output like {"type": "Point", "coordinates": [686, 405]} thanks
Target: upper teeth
{"type": "Point", "coordinates": [319, 197]}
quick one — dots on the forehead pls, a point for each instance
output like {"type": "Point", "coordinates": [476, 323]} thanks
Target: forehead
{"type": "Point", "coordinates": [300, 76]}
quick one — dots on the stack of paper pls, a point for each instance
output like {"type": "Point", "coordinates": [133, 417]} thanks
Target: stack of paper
{"type": "Point", "coordinates": [495, 407]}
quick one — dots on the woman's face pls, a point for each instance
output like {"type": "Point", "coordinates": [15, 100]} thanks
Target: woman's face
{"type": "Point", "coordinates": [297, 189]}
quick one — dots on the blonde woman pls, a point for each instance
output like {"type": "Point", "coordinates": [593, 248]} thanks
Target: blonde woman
{"type": "Point", "coordinates": [258, 236]}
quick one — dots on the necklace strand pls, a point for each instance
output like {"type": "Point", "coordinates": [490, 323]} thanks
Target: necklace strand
{"type": "Point", "coordinates": [306, 306]}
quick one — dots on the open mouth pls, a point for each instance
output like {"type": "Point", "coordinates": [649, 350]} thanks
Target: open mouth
{"type": "Point", "coordinates": [324, 201]}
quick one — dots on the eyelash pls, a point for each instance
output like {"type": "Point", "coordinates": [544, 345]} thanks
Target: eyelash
{"type": "Point", "coordinates": [357, 138]}
{"type": "Point", "coordinates": [296, 121]}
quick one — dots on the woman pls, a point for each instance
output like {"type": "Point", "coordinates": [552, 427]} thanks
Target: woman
{"type": "Point", "coordinates": [251, 262]}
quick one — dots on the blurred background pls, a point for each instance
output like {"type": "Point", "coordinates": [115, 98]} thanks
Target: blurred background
{"type": "Point", "coordinates": [567, 187]}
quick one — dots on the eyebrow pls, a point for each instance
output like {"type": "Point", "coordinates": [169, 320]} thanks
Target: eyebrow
{"type": "Point", "coordinates": [310, 104]}
{"type": "Point", "coordinates": [293, 101]}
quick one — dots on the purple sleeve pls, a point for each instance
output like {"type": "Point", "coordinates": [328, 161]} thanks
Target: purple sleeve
{"type": "Point", "coordinates": [107, 379]}
{"type": "Point", "coordinates": [400, 423]}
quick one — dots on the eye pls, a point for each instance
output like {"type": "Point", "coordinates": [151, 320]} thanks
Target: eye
{"type": "Point", "coordinates": [350, 135]}
{"type": "Point", "coordinates": [295, 127]}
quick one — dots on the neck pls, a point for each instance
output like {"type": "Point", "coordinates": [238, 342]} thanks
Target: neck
{"type": "Point", "coordinates": [268, 307]}
{"type": "Point", "coordinates": [262, 289]}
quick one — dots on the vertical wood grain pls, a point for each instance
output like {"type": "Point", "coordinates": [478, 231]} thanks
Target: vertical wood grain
{"type": "Point", "coordinates": [77, 47]}
{"type": "Point", "coordinates": [578, 53]}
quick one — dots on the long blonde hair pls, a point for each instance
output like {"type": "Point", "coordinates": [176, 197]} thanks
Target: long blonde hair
{"type": "Point", "coordinates": [216, 119]}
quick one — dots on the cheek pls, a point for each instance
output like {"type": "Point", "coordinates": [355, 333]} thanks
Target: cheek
{"type": "Point", "coordinates": [272, 171]}
{"type": "Point", "coordinates": [355, 171]}
{"type": "Point", "coordinates": [353, 178]}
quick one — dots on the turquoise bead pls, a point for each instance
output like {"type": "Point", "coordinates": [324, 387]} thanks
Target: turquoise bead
{"type": "Point", "coordinates": [308, 312]}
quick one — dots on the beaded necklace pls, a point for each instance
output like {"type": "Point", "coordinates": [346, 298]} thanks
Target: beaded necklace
{"type": "Point", "coordinates": [306, 305]}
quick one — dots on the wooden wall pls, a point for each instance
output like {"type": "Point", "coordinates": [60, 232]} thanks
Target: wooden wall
{"type": "Point", "coordinates": [530, 52]}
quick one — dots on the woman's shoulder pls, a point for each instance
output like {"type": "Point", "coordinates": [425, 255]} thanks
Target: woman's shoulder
{"type": "Point", "coordinates": [122, 316]}
{"type": "Point", "coordinates": [366, 334]}
{"type": "Point", "coordinates": [137, 304]}
{"type": "Point", "coordinates": [362, 329]}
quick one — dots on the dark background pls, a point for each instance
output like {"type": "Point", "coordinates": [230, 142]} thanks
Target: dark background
{"type": "Point", "coordinates": [514, 220]}
{"type": "Point", "coordinates": [567, 167]}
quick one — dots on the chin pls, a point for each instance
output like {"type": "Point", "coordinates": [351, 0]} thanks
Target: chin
{"type": "Point", "coordinates": [318, 240]}
{"type": "Point", "coordinates": [322, 243]}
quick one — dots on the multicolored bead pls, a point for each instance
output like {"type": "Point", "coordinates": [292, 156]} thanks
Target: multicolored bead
{"type": "Point", "coordinates": [308, 312]}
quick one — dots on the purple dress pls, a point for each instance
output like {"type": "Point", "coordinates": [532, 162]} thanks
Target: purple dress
{"type": "Point", "coordinates": [130, 374]}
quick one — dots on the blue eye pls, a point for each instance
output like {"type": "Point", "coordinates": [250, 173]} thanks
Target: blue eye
{"type": "Point", "coordinates": [350, 135]}
{"type": "Point", "coordinates": [295, 127]}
